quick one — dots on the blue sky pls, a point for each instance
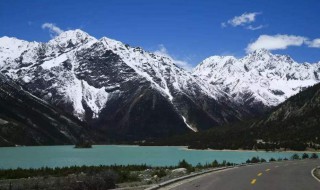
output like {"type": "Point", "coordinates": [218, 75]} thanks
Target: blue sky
{"type": "Point", "coordinates": [189, 30]}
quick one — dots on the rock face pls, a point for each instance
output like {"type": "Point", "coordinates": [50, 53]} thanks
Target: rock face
{"type": "Point", "coordinates": [124, 92]}
{"type": "Point", "coordinates": [28, 120]}
{"type": "Point", "coordinates": [259, 79]}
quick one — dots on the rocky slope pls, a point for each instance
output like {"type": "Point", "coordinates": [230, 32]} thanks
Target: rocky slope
{"type": "Point", "coordinates": [295, 120]}
{"type": "Point", "coordinates": [28, 120]}
{"type": "Point", "coordinates": [294, 124]}
{"type": "Point", "coordinates": [124, 92]}
{"type": "Point", "coordinates": [260, 79]}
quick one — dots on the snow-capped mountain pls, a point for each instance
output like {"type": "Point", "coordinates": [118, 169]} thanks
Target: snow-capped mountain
{"type": "Point", "coordinates": [28, 120]}
{"type": "Point", "coordinates": [127, 92]}
{"type": "Point", "coordinates": [260, 78]}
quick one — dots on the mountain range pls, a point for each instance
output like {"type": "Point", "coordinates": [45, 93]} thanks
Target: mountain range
{"type": "Point", "coordinates": [260, 78]}
{"type": "Point", "coordinates": [126, 93]}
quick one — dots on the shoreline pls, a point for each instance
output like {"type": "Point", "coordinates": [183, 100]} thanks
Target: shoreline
{"type": "Point", "coordinates": [178, 146]}
{"type": "Point", "coordinates": [240, 150]}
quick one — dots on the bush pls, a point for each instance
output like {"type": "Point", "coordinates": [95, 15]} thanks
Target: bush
{"type": "Point", "coordinates": [215, 163]}
{"type": "Point", "coordinates": [295, 157]}
{"type": "Point", "coordinates": [272, 160]}
{"type": "Point", "coordinates": [199, 165]}
{"type": "Point", "coordinates": [314, 156]}
{"type": "Point", "coordinates": [185, 164]}
{"type": "Point", "coordinates": [255, 160]}
{"type": "Point", "coordinates": [224, 163]}
{"type": "Point", "coordinates": [127, 176]}
{"type": "Point", "coordinates": [263, 160]}
{"type": "Point", "coordinates": [160, 173]}
{"type": "Point", "coordinates": [305, 156]}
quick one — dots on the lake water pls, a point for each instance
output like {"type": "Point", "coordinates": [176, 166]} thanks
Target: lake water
{"type": "Point", "coordinates": [58, 156]}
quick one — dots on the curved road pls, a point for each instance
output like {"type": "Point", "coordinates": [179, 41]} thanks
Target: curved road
{"type": "Point", "coordinates": [286, 175]}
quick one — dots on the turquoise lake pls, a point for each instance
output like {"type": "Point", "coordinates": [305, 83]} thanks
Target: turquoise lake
{"type": "Point", "coordinates": [58, 156]}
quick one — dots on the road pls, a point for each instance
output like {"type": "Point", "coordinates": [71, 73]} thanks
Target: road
{"type": "Point", "coordinates": [286, 175]}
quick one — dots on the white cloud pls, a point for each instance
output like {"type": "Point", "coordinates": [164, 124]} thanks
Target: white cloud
{"type": "Point", "coordinates": [314, 43]}
{"type": "Point", "coordinates": [164, 52]}
{"type": "Point", "coordinates": [53, 29]}
{"type": "Point", "coordinates": [276, 42]}
{"type": "Point", "coordinates": [243, 19]}
{"type": "Point", "coordinates": [250, 27]}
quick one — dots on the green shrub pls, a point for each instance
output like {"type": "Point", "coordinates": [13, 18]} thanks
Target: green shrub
{"type": "Point", "coordinates": [305, 156]}
{"type": "Point", "coordinates": [215, 163]}
{"type": "Point", "coordinates": [295, 157]}
{"type": "Point", "coordinates": [255, 160]}
{"type": "Point", "coordinates": [185, 164]}
{"type": "Point", "coordinates": [314, 156]}
{"type": "Point", "coordinates": [160, 173]}
{"type": "Point", "coordinates": [263, 160]}
{"type": "Point", "coordinates": [272, 160]}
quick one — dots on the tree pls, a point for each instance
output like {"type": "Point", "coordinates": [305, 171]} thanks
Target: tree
{"type": "Point", "coordinates": [272, 160]}
{"type": "Point", "coordinates": [305, 156]}
{"type": "Point", "coordinates": [263, 160]}
{"type": "Point", "coordinates": [255, 160]}
{"type": "Point", "coordinates": [185, 164]}
{"type": "Point", "coordinates": [314, 156]}
{"type": "Point", "coordinates": [295, 157]}
{"type": "Point", "coordinates": [215, 163]}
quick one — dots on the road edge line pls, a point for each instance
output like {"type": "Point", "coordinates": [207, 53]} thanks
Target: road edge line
{"type": "Point", "coordinates": [315, 177]}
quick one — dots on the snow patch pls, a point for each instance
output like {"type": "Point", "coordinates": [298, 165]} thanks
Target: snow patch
{"type": "Point", "coordinates": [54, 62]}
{"type": "Point", "coordinates": [185, 121]}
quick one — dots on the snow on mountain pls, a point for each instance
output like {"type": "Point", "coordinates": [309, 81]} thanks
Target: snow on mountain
{"type": "Point", "coordinates": [132, 94]}
{"type": "Point", "coordinates": [114, 85]}
{"type": "Point", "coordinates": [28, 120]}
{"type": "Point", "coordinates": [30, 62]}
{"type": "Point", "coordinates": [259, 77]}
{"type": "Point", "coordinates": [160, 70]}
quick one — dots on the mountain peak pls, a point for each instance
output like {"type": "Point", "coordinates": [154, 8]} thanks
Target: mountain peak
{"type": "Point", "coordinates": [259, 54]}
{"type": "Point", "coordinates": [215, 61]}
{"type": "Point", "coordinates": [261, 51]}
{"type": "Point", "coordinates": [74, 36]}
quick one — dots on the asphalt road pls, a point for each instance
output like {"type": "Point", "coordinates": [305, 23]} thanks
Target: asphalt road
{"type": "Point", "coordinates": [286, 175]}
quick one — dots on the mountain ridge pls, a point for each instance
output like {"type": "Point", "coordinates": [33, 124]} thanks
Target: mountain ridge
{"type": "Point", "coordinates": [110, 84]}
{"type": "Point", "coordinates": [132, 94]}
{"type": "Point", "coordinates": [259, 77]}
{"type": "Point", "coordinates": [292, 125]}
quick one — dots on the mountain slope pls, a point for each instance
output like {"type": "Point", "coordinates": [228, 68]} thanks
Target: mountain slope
{"type": "Point", "coordinates": [259, 79]}
{"type": "Point", "coordinates": [296, 120]}
{"type": "Point", "coordinates": [124, 92]}
{"type": "Point", "coordinates": [294, 124]}
{"type": "Point", "coordinates": [28, 120]}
